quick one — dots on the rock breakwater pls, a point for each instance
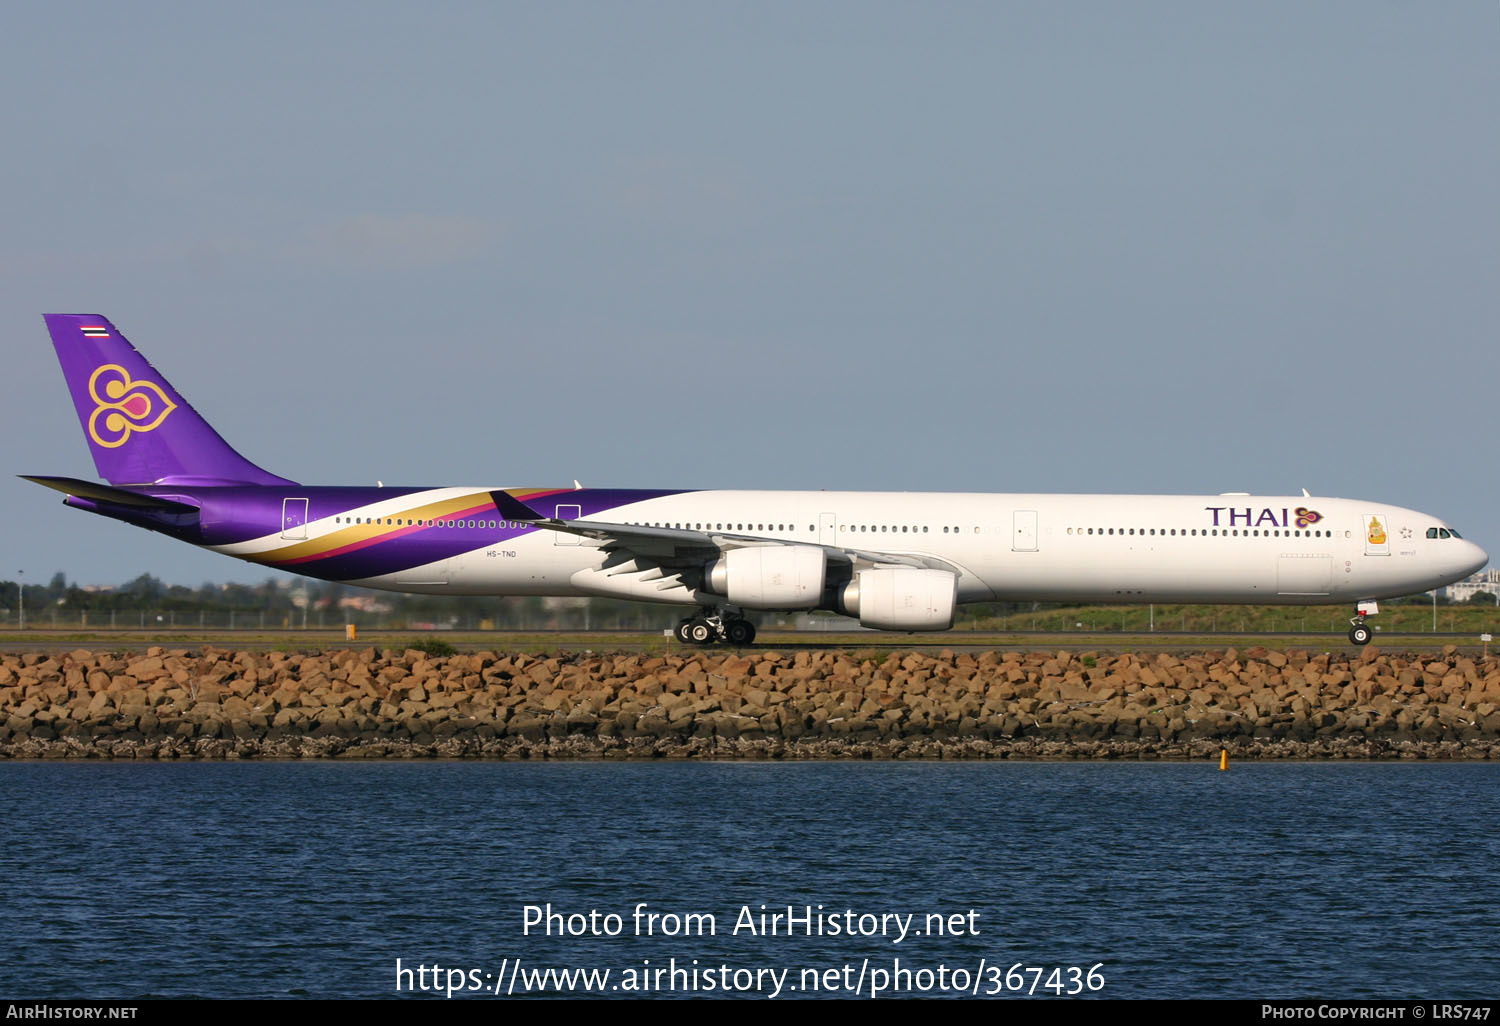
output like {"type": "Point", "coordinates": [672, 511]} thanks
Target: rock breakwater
{"type": "Point", "coordinates": [373, 703]}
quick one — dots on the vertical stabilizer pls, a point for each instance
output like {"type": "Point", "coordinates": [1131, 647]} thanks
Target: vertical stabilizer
{"type": "Point", "coordinates": [139, 429]}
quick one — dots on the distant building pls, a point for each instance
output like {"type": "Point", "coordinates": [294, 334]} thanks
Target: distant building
{"type": "Point", "coordinates": [1487, 581]}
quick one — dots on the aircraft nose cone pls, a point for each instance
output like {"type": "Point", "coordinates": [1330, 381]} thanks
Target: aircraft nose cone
{"type": "Point", "coordinates": [1475, 558]}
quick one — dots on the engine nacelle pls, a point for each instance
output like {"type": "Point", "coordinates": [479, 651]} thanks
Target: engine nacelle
{"type": "Point", "coordinates": [770, 576]}
{"type": "Point", "coordinates": [902, 599]}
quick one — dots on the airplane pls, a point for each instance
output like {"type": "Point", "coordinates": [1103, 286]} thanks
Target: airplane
{"type": "Point", "coordinates": [896, 561]}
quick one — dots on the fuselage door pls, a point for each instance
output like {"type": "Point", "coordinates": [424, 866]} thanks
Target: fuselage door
{"type": "Point", "coordinates": [828, 529]}
{"type": "Point", "coordinates": [1023, 536]}
{"type": "Point", "coordinates": [563, 537]}
{"type": "Point", "coordinates": [294, 519]}
{"type": "Point", "coordinates": [1377, 534]}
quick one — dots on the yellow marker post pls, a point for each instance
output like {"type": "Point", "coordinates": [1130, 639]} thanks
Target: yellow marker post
{"type": "Point", "coordinates": [349, 632]}
{"type": "Point", "coordinates": [1223, 758]}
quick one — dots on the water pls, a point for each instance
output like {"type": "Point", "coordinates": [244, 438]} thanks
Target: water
{"type": "Point", "coordinates": [311, 879]}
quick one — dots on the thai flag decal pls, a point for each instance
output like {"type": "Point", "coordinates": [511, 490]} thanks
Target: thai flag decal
{"type": "Point", "coordinates": [95, 331]}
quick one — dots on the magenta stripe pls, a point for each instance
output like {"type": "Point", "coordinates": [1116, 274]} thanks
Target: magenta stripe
{"type": "Point", "coordinates": [395, 532]}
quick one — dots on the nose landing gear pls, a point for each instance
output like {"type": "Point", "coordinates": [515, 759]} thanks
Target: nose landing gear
{"type": "Point", "coordinates": [1360, 632]}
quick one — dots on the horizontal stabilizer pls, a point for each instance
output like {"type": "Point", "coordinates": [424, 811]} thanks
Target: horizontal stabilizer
{"type": "Point", "coordinates": [104, 493]}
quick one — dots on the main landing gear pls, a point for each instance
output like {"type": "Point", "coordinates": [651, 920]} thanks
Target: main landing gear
{"type": "Point", "coordinates": [709, 627]}
{"type": "Point", "coordinates": [1360, 632]}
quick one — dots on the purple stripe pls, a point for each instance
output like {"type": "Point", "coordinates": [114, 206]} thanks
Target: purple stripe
{"type": "Point", "coordinates": [231, 515]}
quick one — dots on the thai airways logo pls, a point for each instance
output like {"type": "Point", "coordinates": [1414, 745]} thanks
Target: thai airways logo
{"type": "Point", "coordinates": [1248, 516]}
{"type": "Point", "coordinates": [123, 406]}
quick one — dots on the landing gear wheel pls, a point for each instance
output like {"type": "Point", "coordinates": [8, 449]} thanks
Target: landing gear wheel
{"type": "Point", "coordinates": [701, 632]}
{"type": "Point", "coordinates": [1360, 634]}
{"type": "Point", "coordinates": [681, 630]}
{"type": "Point", "coordinates": [739, 633]}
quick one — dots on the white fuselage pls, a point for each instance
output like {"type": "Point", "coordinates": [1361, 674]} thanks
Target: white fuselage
{"type": "Point", "coordinates": [1119, 548]}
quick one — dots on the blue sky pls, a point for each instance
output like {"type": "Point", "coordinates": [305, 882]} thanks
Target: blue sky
{"type": "Point", "coordinates": [1152, 247]}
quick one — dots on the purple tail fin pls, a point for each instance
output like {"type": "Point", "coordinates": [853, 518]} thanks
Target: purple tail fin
{"type": "Point", "coordinates": [140, 430]}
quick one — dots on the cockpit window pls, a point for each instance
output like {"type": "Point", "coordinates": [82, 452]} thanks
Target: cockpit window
{"type": "Point", "coordinates": [1432, 532]}
{"type": "Point", "coordinates": [1443, 533]}
{"type": "Point", "coordinates": [1454, 533]}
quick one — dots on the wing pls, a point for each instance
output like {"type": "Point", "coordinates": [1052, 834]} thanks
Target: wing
{"type": "Point", "coordinates": [679, 549]}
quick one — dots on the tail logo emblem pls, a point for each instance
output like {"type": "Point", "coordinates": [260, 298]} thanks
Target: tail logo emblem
{"type": "Point", "coordinates": [124, 406]}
